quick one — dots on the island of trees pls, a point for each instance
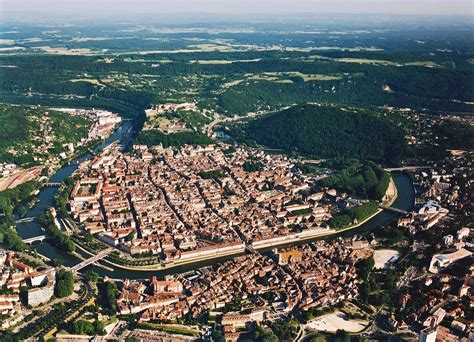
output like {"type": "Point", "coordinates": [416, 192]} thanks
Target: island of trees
{"type": "Point", "coordinates": [57, 236]}
{"type": "Point", "coordinates": [363, 180]}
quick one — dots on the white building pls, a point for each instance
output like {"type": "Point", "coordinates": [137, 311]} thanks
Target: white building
{"type": "Point", "coordinates": [428, 335]}
{"type": "Point", "coordinates": [443, 260]}
{"type": "Point", "coordinates": [40, 295]}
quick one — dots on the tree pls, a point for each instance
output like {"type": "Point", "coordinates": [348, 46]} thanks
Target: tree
{"type": "Point", "coordinates": [342, 336]}
{"type": "Point", "coordinates": [131, 339]}
{"type": "Point", "coordinates": [88, 238]}
{"type": "Point", "coordinates": [83, 327]}
{"type": "Point", "coordinates": [265, 335]}
{"type": "Point", "coordinates": [64, 283]}
{"type": "Point", "coordinates": [364, 267]}
{"type": "Point", "coordinates": [99, 327]}
{"type": "Point", "coordinates": [130, 237]}
{"type": "Point", "coordinates": [21, 211]}
{"type": "Point", "coordinates": [213, 174]}
{"type": "Point", "coordinates": [319, 338]}
{"type": "Point", "coordinates": [252, 166]}
{"type": "Point", "coordinates": [108, 296]}
{"type": "Point", "coordinates": [92, 276]}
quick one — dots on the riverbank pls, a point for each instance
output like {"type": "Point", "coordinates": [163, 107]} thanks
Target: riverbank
{"type": "Point", "coordinates": [391, 193]}
{"type": "Point", "coordinates": [174, 263]}
{"type": "Point", "coordinates": [279, 241]}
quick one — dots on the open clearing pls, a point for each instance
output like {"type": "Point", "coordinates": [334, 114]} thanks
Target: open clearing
{"type": "Point", "coordinates": [7, 41]}
{"type": "Point", "coordinates": [309, 77]}
{"type": "Point", "coordinates": [88, 80]}
{"type": "Point", "coordinates": [14, 48]}
{"type": "Point", "coordinates": [68, 52]}
{"type": "Point", "coordinates": [283, 77]}
{"type": "Point", "coordinates": [224, 61]}
{"type": "Point", "coordinates": [384, 257]}
{"type": "Point", "coordinates": [336, 320]}
{"type": "Point", "coordinates": [426, 64]}
{"type": "Point", "coordinates": [366, 61]}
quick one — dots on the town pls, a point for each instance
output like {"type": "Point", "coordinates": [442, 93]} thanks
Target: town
{"type": "Point", "coordinates": [198, 202]}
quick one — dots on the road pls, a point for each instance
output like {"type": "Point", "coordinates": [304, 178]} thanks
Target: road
{"type": "Point", "coordinates": [406, 168]}
{"type": "Point", "coordinates": [72, 312]}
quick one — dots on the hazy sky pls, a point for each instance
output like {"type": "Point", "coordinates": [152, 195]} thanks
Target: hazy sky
{"type": "Point", "coordinates": [238, 7]}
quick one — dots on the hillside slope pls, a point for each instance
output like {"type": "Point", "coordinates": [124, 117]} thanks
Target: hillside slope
{"type": "Point", "coordinates": [29, 135]}
{"type": "Point", "coordinates": [326, 131]}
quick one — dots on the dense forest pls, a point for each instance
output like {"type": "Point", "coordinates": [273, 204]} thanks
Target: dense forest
{"type": "Point", "coordinates": [455, 135]}
{"type": "Point", "coordinates": [327, 131]}
{"type": "Point", "coordinates": [128, 84]}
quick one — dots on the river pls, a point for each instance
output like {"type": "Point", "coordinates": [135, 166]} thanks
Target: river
{"type": "Point", "coordinates": [46, 198]}
{"type": "Point", "coordinates": [405, 201]}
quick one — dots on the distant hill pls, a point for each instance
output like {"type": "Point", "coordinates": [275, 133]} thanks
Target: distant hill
{"type": "Point", "coordinates": [327, 131]}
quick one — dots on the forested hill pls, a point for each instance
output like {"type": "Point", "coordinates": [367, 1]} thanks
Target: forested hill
{"type": "Point", "coordinates": [327, 131]}
{"type": "Point", "coordinates": [30, 135]}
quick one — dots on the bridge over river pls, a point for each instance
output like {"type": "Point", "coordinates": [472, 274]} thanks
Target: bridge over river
{"type": "Point", "coordinates": [39, 238]}
{"type": "Point", "coordinates": [393, 209]}
{"type": "Point", "coordinates": [52, 185]}
{"type": "Point", "coordinates": [91, 260]}
{"type": "Point", "coordinates": [406, 168]}
{"type": "Point", "coordinates": [26, 219]}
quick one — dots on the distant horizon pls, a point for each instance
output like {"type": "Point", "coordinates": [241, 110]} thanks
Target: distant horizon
{"type": "Point", "coordinates": [248, 8]}
{"type": "Point", "coordinates": [186, 19]}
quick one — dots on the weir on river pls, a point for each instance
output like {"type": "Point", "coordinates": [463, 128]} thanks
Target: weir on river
{"type": "Point", "coordinates": [404, 202]}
